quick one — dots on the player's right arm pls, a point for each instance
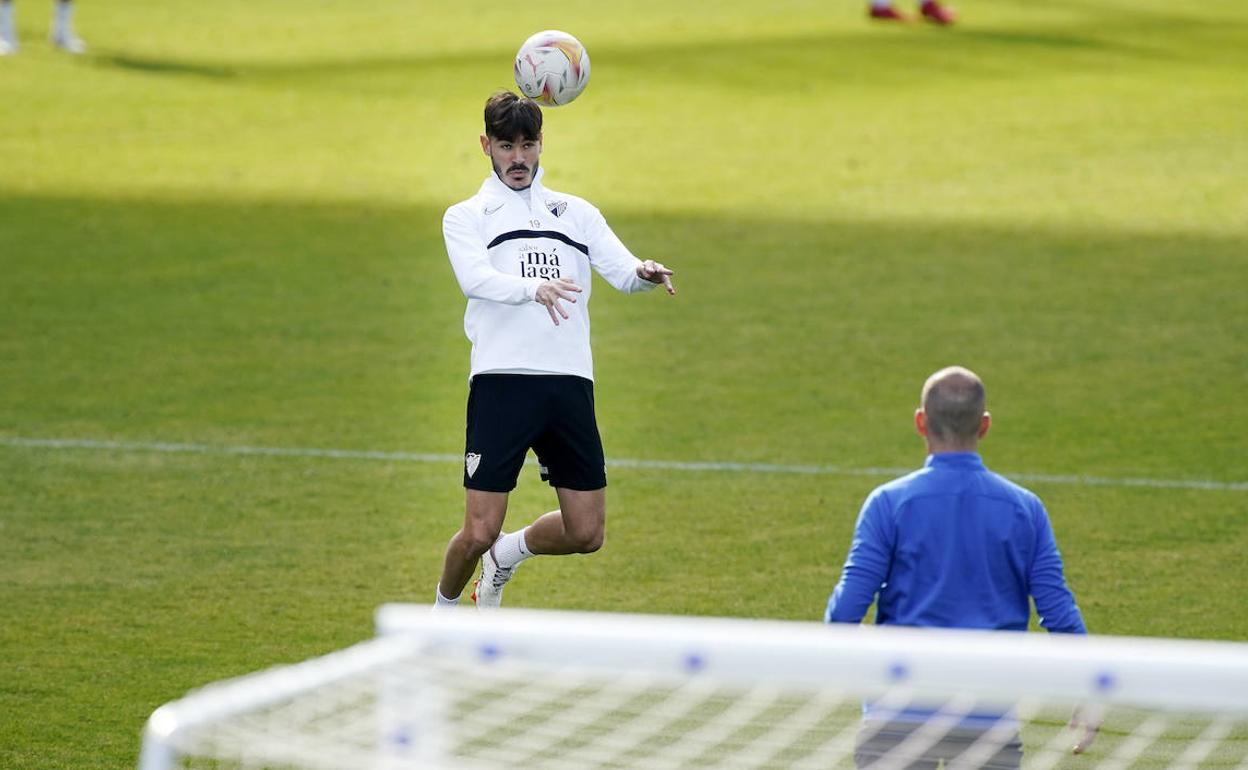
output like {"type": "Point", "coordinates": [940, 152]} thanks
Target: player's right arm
{"type": "Point", "coordinates": [479, 279]}
{"type": "Point", "coordinates": [868, 563]}
{"type": "Point", "coordinates": [477, 276]}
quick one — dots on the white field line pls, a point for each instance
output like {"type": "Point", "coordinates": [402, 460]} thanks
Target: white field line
{"type": "Point", "coordinates": [17, 442]}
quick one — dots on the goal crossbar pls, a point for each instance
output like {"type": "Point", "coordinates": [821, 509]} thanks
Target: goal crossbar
{"type": "Point", "coordinates": [1161, 674]}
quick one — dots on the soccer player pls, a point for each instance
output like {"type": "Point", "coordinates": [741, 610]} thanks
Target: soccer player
{"type": "Point", "coordinates": [522, 254]}
{"type": "Point", "coordinates": [953, 545]}
{"type": "Point", "coordinates": [62, 36]}
{"type": "Point", "coordinates": [930, 10]}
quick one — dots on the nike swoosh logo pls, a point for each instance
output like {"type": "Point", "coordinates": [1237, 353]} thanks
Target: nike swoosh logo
{"type": "Point", "coordinates": [489, 210]}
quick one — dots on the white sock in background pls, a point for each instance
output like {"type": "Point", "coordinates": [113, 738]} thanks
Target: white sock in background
{"type": "Point", "coordinates": [63, 36]}
{"type": "Point", "coordinates": [63, 19]}
{"type": "Point", "coordinates": [7, 33]}
{"type": "Point", "coordinates": [442, 601]}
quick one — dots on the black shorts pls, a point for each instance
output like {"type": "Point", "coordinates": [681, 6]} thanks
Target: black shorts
{"type": "Point", "coordinates": [553, 414]}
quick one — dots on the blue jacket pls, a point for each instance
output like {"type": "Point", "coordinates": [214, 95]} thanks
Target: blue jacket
{"type": "Point", "coordinates": [954, 545]}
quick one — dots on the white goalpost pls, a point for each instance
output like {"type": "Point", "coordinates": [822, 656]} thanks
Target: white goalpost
{"type": "Point", "coordinates": [538, 689]}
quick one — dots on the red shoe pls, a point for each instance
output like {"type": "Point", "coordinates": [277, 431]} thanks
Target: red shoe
{"type": "Point", "coordinates": [936, 13]}
{"type": "Point", "coordinates": [886, 13]}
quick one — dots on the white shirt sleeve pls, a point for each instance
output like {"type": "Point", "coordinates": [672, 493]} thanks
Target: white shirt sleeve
{"type": "Point", "coordinates": [477, 276]}
{"type": "Point", "coordinates": [610, 257]}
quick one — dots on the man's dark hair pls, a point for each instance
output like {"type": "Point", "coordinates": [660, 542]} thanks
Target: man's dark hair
{"type": "Point", "coordinates": [953, 400]}
{"type": "Point", "coordinates": [507, 116]}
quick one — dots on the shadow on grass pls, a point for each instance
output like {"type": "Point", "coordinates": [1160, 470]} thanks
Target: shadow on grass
{"type": "Point", "coordinates": [776, 62]}
{"type": "Point", "coordinates": [340, 325]}
{"type": "Point", "coordinates": [159, 66]}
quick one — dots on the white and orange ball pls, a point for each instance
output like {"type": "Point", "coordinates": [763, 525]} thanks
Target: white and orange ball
{"type": "Point", "coordinates": [552, 68]}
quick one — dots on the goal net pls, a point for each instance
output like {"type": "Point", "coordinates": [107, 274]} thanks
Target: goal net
{"type": "Point", "coordinates": [533, 689]}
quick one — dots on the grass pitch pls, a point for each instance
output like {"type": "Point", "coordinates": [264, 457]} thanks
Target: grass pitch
{"type": "Point", "coordinates": [221, 227]}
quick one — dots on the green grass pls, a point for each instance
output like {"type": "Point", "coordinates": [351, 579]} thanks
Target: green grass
{"type": "Point", "coordinates": [222, 227]}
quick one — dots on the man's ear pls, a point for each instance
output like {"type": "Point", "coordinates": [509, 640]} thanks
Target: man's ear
{"type": "Point", "coordinates": [485, 144]}
{"type": "Point", "coordinates": [985, 423]}
{"type": "Point", "coordinates": [920, 422]}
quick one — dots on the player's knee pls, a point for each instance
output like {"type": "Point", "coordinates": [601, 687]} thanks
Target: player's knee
{"type": "Point", "coordinates": [476, 541]}
{"type": "Point", "coordinates": [589, 540]}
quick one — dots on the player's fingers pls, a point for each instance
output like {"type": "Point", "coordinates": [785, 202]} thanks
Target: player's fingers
{"type": "Point", "coordinates": [652, 271]}
{"type": "Point", "coordinates": [1087, 720]}
{"type": "Point", "coordinates": [667, 284]}
{"type": "Point", "coordinates": [553, 317]}
{"type": "Point", "coordinates": [567, 285]}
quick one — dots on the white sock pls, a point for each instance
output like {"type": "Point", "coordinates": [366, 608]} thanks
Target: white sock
{"type": "Point", "coordinates": [442, 601]}
{"type": "Point", "coordinates": [511, 549]}
{"type": "Point", "coordinates": [6, 23]}
{"type": "Point", "coordinates": [881, 3]}
{"type": "Point", "coordinates": [64, 18]}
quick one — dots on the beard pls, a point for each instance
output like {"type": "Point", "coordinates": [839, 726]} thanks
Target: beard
{"type": "Point", "coordinates": [502, 175]}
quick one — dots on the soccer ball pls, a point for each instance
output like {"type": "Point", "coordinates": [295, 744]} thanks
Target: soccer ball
{"type": "Point", "coordinates": [552, 68]}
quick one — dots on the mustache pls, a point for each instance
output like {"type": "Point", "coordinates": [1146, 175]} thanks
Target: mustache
{"type": "Point", "coordinates": [518, 167]}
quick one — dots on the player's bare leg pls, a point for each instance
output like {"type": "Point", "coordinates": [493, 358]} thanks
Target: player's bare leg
{"type": "Point", "coordinates": [483, 521]}
{"type": "Point", "coordinates": [577, 527]}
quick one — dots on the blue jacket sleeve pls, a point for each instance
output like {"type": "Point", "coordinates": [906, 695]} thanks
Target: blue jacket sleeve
{"type": "Point", "coordinates": [867, 566]}
{"type": "Point", "coordinates": [1055, 604]}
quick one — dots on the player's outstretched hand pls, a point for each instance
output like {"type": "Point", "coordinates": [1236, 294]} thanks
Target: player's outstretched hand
{"type": "Point", "coordinates": [1087, 720]}
{"type": "Point", "coordinates": [655, 272]}
{"type": "Point", "coordinates": [551, 292]}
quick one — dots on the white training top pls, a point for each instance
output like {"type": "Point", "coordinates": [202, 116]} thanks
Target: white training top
{"type": "Point", "coordinates": [503, 248]}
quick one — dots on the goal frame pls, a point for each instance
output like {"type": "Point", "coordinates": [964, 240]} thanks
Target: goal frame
{"type": "Point", "coordinates": [1170, 675]}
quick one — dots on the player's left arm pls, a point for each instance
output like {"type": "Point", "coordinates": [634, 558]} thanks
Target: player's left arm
{"type": "Point", "coordinates": [656, 273]}
{"type": "Point", "coordinates": [616, 264]}
{"type": "Point", "coordinates": [1086, 721]}
{"type": "Point", "coordinates": [1055, 603]}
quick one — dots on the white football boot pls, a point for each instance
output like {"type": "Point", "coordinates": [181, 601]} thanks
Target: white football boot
{"type": "Point", "coordinates": [487, 593]}
{"type": "Point", "coordinates": [68, 42]}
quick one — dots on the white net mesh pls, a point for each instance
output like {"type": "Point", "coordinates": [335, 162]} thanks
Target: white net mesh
{"type": "Point", "coordinates": [476, 692]}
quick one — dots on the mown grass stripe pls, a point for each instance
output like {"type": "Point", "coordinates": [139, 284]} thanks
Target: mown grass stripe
{"type": "Point", "coordinates": [620, 462]}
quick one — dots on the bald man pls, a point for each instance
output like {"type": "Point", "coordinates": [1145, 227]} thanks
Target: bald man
{"type": "Point", "coordinates": [952, 545]}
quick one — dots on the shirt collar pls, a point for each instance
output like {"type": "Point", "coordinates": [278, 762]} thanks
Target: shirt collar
{"type": "Point", "coordinates": [954, 460]}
